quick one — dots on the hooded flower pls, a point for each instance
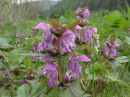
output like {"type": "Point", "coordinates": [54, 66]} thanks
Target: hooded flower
{"type": "Point", "coordinates": [67, 41]}
{"type": "Point", "coordinates": [82, 13]}
{"type": "Point", "coordinates": [110, 51]}
{"type": "Point", "coordinates": [88, 34]}
{"type": "Point", "coordinates": [85, 13]}
{"type": "Point", "coordinates": [52, 73]}
{"type": "Point", "coordinates": [78, 32]}
{"type": "Point", "coordinates": [48, 43]}
{"type": "Point", "coordinates": [42, 26]}
{"type": "Point", "coordinates": [74, 68]}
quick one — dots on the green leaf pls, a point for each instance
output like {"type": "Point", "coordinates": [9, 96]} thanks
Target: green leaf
{"type": "Point", "coordinates": [128, 8]}
{"type": "Point", "coordinates": [37, 63]}
{"type": "Point", "coordinates": [122, 59]}
{"type": "Point", "coordinates": [69, 91]}
{"type": "Point", "coordinates": [5, 96]}
{"type": "Point", "coordinates": [93, 77]}
{"type": "Point", "coordinates": [114, 78]}
{"type": "Point", "coordinates": [25, 91]}
{"type": "Point", "coordinates": [3, 92]}
{"type": "Point", "coordinates": [72, 91]}
{"type": "Point", "coordinates": [128, 40]}
{"type": "Point", "coordinates": [27, 62]}
{"type": "Point", "coordinates": [4, 44]}
{"type": "Point", "coordinates": [53, 93]}
{"type": "Point", "coordinates": [32, 54]}
{"type": "Point", "coordinates": [112, 17]}
{"type": "Point", "coordinates": [37, 89]}
{"type": "Point", "coordinates": [87, 71]}
{"type": "Point", "coordinates": [97, 69]}
{"type": "Point", "coordinates": [14, 57]}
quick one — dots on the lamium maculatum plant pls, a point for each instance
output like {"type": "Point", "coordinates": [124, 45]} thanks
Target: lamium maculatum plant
{"type": "Point", "coordinates": [110, 47]}
{"type": "Point", "coordinates": [60, 41]}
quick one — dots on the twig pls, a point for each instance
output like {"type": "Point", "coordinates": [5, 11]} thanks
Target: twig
{"type": "Point", "coordinates": [6, 67]}
{"type": "Point", "coordinates": [8, 73]}
{"type": "Point", "coordinates": [82, 84]}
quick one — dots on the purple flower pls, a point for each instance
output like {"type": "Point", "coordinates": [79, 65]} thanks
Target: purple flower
{"type": "Point", "coordinates": [24, 80]}
{"type": "Point", "coordinates": [51, 83]}
{"type": "Point", "coordinates": [40, 47]}
{"type": "Point", "coordinates": [47, 37]}
{"type": "Point", "coordinates": [74, 68]}
{"type": "Point", "coordinates": [42, 26]}
{"type": "Point", "coordinates": [48, 43]}
{"type": "Point", "coordinates": [18, 34]}
{"type": "Point", "coordinates": [67, 41]}
{"type": "Point", "coordinates": [88, 34]}
{"type": "Point", "coordinates": [78, 32]}
{"type": "Point", "coordinates": [45, 59]}
{"type": "Point", "coordinates": [110, 51]}
{"type": "Point", "coordinates": [52, 73]}
{"type": "Point", "coordinates": [82, 13]}
{"type": "Point", "coordinates": [85, 13]}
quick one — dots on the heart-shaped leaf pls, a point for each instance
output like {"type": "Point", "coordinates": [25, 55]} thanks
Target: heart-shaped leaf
{"type": "Point", "coordinates": [29, 91]}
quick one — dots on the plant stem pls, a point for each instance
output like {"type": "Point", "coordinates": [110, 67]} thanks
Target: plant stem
{"type": "Point", "coordinates": [59, 62]}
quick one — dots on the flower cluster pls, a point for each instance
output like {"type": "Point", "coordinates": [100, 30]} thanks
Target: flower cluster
{"type": "Point", "coordinates": [110, 51]}
{"type": "Point", "coordinates": [82, 14]}
{"type": "Point", "coordinates": [51, 41]}
{"type": "Point", "coordinates": [74, 68]}
{"type": "Point", "coordinates": [84, 33]}
{"type": "Point", "coordinates": [88, 36]}
{"type": "Point", "coordinates": [51, 70]}
{"type": "Point", "coordinates": [58, 39]}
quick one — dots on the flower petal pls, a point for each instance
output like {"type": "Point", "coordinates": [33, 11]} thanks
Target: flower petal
{"type": "Point", "coordinates": [88, 34]}
{"type": "Point", "coordinates": [84, 58]}
{"type": "Point", "coordinates": [42, 26]}
{"type": "Point", "coordinates": [67, 41]}
{"type": "Point", "coordinates": [78, 27]}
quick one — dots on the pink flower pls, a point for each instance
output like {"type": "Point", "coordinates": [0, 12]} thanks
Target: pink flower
{"type": "Point", "coordinates": [110, 51]}
{"type": "Point", "coordinates": [88, 34]}
{"type": "Point", "coordinates": [42, 26]}
{"type": "Point", "coordinates": [74, 68]}
{"type": "Point", "coordinates": [82, 14]}
{"type": "Point", "coordinates": [48, 43]}
{"type": "Point", "coordinates": [67, 41]}
{"type": "Point", "coordinates": [78, 32]}
{"type": "Point", "coordinates": [52, 72]}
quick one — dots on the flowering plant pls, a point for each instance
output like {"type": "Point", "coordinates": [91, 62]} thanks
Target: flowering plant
{"type": "Point", "coordinates": [61, 40]}
{"type": "Point", "coordinates": [78, 44]}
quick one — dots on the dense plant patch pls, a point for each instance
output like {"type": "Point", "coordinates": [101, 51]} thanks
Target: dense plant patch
{"type": "Point", "coordinates": [77, 55]}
